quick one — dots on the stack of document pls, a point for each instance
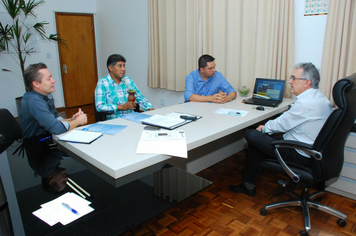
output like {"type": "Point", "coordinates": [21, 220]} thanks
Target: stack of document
{"type": "Point", "coordinates": [63, 209]}
{"type": "Point", "coordinates": [169, 142]}
{"type": "Point", "coordinates": [164, 121]}
{"type": "Point", "coordinates": [169, 121]}
{"type": "Point", "coordinates": [78, 136]}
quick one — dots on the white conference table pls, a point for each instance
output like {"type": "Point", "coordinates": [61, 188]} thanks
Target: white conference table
{"type": "Point", "coordinates": [116, 155]}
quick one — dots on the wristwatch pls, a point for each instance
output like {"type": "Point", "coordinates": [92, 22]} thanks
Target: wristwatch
{"type": "Point", "coordinates": [230, 98]}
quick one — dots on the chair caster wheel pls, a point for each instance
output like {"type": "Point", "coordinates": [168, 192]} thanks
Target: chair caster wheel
{"type": "Point", "coordinates": [303, 233]}
{"type": "Point", "coordinates": [263, 212]}
{"type": "Point", "coordinates": [341, 222]}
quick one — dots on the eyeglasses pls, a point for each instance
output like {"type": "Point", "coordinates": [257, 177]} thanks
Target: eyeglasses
{"type": "Point", "coordinates": [293, 78]}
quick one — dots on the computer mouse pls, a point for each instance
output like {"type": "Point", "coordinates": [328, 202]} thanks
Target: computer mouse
{"type": "Point", "coordinates": [260, 108]}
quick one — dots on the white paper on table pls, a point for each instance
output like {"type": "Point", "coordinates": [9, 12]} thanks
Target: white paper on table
{"type": "Point", "coordinates": [46, 215]}
{"type": "Point", "coordinates": [163, 135]}
{"type": "Point", "coordinates": [69, 198]}
{"type": "Point", "coordinates": [67, 216]}
{"type": "Point", "coordinates": [172, 142]}
{"type": "Point", "coordinates": [53, 211]}
{"type": "Point", "coordinates": [231, 112]}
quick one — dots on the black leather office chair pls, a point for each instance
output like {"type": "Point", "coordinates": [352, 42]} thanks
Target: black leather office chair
{"type": "Point", "coordinates": [327, 155]}
{"type": "Point", "coordinates": [100, 115]}
{"type": "Point", "coordinates": [10, 129]}
{"type": "Point", "coordinates": [9, 132]}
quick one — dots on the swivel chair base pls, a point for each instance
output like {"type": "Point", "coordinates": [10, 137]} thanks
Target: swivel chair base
{"type": "Point", "coordinates": [305, 201]}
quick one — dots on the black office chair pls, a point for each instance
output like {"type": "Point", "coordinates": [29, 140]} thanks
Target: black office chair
{"type": "Point", "coordinates": [9, 132]}
{"type": "Point", "coordinates": [10, 129]}
{"type": "Point", "coordinates": [101, 115]}
{"type": "Point", "coordinates": [327, 155]}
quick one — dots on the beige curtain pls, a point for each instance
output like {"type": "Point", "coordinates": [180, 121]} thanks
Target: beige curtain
{"type": "Point", "coordinates": [339, 44]}
{"type": "Point", "coordinates": [248, 38]}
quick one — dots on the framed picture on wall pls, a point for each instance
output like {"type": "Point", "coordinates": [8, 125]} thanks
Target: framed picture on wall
{"type": "Point", "coordinates": [316, 7]}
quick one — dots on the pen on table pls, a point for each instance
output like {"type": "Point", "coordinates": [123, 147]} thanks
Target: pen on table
{"type": "Point", "coordinates": [69, 208]}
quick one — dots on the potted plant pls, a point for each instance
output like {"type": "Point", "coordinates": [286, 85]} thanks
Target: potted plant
{"type": "Point", "coordinates": [19, 37]}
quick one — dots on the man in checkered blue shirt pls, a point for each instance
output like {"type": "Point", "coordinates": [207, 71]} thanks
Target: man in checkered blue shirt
{"type": "Point", "coordinates": [111, 93]}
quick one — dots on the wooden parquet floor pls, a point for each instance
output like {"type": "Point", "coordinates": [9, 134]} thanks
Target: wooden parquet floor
{"type": "Point", "coordinates": [217, 211]}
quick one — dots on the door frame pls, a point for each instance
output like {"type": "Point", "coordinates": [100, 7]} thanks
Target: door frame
{"type": "Point", "coordinates": [97, 67]}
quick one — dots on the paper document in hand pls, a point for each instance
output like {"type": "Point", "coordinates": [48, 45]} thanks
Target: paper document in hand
{"type": "Point", "coordinates": [170, 142]}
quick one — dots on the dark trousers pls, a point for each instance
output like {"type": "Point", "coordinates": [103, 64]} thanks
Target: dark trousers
{"type": "Point", "coordinates": [259, 148]}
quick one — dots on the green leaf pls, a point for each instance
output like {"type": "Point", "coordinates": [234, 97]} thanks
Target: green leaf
{"type": "Point", "coordinates": [28, 9]}
{"type": "Point", "coordinates": [54, 37]}
{"type": "Point", "coordinates": [5, 37]}
{"type": "Point", "coordinates": [15, 37]}
{"type": "Point", "coordinates": [26, 37]}
{"type": "Point", "coordinates": [39, 27]}
{"type": "Point", "coordinates": [13, 7]}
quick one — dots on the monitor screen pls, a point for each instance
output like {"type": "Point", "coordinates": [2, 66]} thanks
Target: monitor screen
{"type": "Point", "coordinates": [269, 88]}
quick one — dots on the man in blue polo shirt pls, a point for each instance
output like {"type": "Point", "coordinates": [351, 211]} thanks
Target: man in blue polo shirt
{"type": "Point", "coordinates": [208, 85]}
{"type": "Point", "coordinates": [38, 115]}
{"type": "Point", "coordinates": [39, 119]}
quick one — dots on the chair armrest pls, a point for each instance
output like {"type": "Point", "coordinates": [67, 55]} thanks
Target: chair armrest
{"type": "Point", "coordinates": [106, 112]}
{"type": "Point", "coordinates": [289, 144]}
{"type": "Point", "coordinates": [101, 115]}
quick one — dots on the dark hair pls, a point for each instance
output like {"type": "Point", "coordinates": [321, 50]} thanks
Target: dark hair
{"type": "Point", "coordinates": [113, 59]}
{"type": "Point", "coordinates": [309, 72]}
{"type": "Point", "coordinates": [204, 59]}
{"type": "Point", "coordinates": [31, 74]}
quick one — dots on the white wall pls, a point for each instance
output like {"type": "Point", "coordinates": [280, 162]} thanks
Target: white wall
{"type": "Point", "coordinates": [309, 35]}
{"type": "Point", "coordinates": [131, 40]}
{"type": "Point", "coordinates": [11, 85]}
{"type": "Point", "coordinates": [122, 27]}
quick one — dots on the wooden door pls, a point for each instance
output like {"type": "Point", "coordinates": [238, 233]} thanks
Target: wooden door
{"type": "Point", "coordinates": [78, 61]}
